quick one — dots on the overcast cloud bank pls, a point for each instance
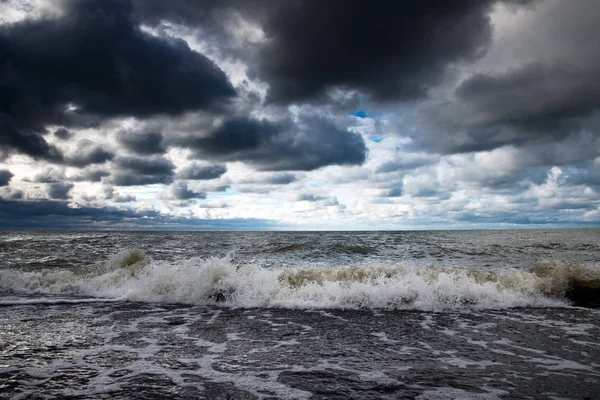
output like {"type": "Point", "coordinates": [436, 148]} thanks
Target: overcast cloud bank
{"type": "Point", "coordinates": [299, 114]}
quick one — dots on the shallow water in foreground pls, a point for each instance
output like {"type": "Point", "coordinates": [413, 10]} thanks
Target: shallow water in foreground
{"type": "Point", "coordinates": [137, 350]}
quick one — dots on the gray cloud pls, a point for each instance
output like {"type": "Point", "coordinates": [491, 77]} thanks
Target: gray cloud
{"type": "Point", "coordinates": [210, 186]}
{"type": "Point", "coordinates": [533, 104]}
{"type": "Point", "coordinates": [309, 197]}
{"type": "Point", "coordinates": [110, 194]}
{"type": "Point", "coordinates": [180, 191]}
{"type": "Point", "coordinates": [124, 198]}
{"type": "Point", "coordinates": [59, 190]}
{"type": "Point", "coordinates": [280, 178]}
{"type": "Point", "coordinates": [7, 193]}
{"type": "Point", "coordinates": [62, 134]}
{"type": "Point", "coordinates": [197, 171]}
{"type": "Point", "coordinates": [5, 177]}
{"type": "Point", "coordinates": [397, 191]}
{"type": "Point", "coordinates": [49, 175]}
{"type": "Point", "coordinates": [91, 175]}
{"type": "Point", "coordinates": [131, 179]}
{"type": "Point", "coordinates": [586, 174]}
{"type": "Point", "coordinates": [536, 97]}
{"type": "Point", "coordinates": [318, 201]}
{"type": "Point", "coordinates": [407, 162]}
{"type": "Point", "coordinates": [276, 146]}
{"type": "Point", "coordinates": [46, 214]}
{"type": "Point", "coordinates": [88, 154]}
{"type": "Point", "coordinates": [15, 195]}
{"type": "Point", "coordinates": [264, 182]}
{"type": "Point", "coordinates": [145, 143]}
{"type": "Point", "coordinates": [134, 170]}
{"type": "Point", "coordinates": [553, 94]}
{"type": "Point", "coordinates": [146, 165]}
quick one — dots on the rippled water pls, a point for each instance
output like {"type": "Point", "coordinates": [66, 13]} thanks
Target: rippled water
{"type": "Point", "coordinates": [428, 315]}
{"type": "Point", "coordinates": [442, 248]}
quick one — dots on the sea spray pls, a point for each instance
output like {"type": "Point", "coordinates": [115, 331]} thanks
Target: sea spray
{"type": "Point", "coordinates": [577, 283]}
{"type": "Point", "coordinates": [131, 275]}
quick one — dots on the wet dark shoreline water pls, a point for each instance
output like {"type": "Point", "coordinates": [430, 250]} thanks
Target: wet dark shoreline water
{"type": "Point", "coordinates": [367, 315]}
{"type": "Point", "coordinates": [139, 350]}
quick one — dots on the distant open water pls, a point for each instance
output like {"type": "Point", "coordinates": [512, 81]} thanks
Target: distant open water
{"type": "Point", "coordinates": [429, 315]}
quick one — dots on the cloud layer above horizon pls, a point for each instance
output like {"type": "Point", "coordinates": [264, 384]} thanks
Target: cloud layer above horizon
{"type": "Point", "coordinates": [299, 114]}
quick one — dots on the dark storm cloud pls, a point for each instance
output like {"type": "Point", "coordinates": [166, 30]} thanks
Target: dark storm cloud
{"type": "Point", "coordinates": [5, 177]}
{"type": "Point", "coordinates": [571, 141]}
{"type": "Point", "coordinates": [390, 50]}
{"type": "Point", "coordinates": [146, 165]}
{"type": "Point", "coordinates": [62, 134]}
{"type": "Point", "coordinates": [27, 141]}
{"type": "Point", "coordinates": [145, 143]}
{"type": "Point", "coordinates": [97, 58]}
{"type": "Point", "coordinates": [95, 61]}
{"type": "Point", "coordinates": [15, 195]}
{"type": "Point", "coordinates": [197, 171]}
{"type": "Point", "coordinates": [47, 214]}
{"type": "Point", "coordinates": [276, 146]}
{"type": "Point", "coordinates": [87, 155]}
{"type": "Point", "coordinates": [7, 193]}
{"type": "Point", "coordinates": [536, 97]}
{"type": "Point", "coordinates": [59, 190]}
{"type": "Point", "coordinates": [131, 171]}
{"type": "Point", "coordinates": [535, 103]}
{"type": "Point", "coordinates": [552, 98]}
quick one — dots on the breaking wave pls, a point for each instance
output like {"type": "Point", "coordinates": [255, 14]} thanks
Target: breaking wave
{"type": "Point", "coordinates": [130, 275]}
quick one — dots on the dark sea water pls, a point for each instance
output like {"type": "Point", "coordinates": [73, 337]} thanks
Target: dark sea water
{"type": "Point", "coordinates": [245, 315]}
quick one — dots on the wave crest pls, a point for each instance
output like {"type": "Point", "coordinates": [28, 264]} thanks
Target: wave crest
{"type": "Point", "coordinates": [131, 275]}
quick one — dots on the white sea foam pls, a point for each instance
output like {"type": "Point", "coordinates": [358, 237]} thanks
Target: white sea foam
{"type": "Point", "coordinates": [132, 276]}
{"type": "Point", "coordinates": [18, 302]}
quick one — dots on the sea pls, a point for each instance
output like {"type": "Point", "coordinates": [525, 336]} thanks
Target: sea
{"type": "Point", "coordinates": [507, 314]}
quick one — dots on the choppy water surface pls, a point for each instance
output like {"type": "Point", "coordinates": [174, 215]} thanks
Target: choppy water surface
{"type": "Point", "coordinates": [430, 315]}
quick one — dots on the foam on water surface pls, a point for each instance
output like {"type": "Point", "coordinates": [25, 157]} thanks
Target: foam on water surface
{"type": "Point", "coordinates": [140, 349]}
{"type": "Point", "coordinates": [130, 275]}
{"type": "Point", "coordinates": [53, 301]}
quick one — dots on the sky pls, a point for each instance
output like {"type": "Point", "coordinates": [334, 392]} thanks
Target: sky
{"type": "Point", "coordinates": [299, 114]}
